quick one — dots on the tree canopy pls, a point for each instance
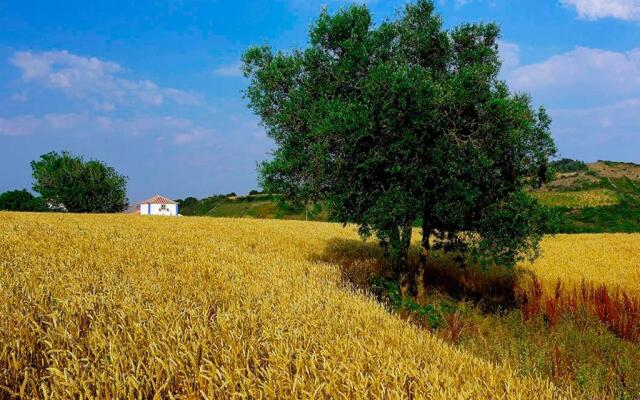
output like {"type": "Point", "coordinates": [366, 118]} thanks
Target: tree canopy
{"type": "Point", "coordinates": [69, 182]}
{"type": "Point", "coordinates": [405, 123]}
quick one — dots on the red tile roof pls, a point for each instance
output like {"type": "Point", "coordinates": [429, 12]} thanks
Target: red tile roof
{"type": "Point", "coordinates": [157, 199]}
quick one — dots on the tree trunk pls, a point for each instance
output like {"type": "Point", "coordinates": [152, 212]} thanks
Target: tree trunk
{"type": "Point", "coordinates": [427, 230]}
{"type": "Point", "coordinates": [425, 251]}
{"type": "Point", "coordinates": [407, 273]}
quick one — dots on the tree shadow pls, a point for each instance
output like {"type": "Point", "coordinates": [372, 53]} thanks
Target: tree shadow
{"type": "Point", "coordinates": [493, 288]}
{"type": "Point", "coordinates": [358, 260]}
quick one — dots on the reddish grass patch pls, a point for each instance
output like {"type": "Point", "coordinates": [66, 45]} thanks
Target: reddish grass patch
{"type": "Point", "coordinates": [616, 309]}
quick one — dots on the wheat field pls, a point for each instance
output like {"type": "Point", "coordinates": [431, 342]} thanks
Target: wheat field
{"type": "Point", "coordinates": [120, 306]}
{"type": "Point", "coordinates": [611, 259]}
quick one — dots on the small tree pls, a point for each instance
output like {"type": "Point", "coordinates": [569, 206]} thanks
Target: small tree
{"type": "Point", "coordinates": [405, 123]}
{"type": "Point", "coordinates": [189, 206]}
{"type": "Point", "coordinates": [69, 182]}
{"type": "Point", "coordinates": [568, 165]}
{"type": "Point", "coordinates": [20, 200]}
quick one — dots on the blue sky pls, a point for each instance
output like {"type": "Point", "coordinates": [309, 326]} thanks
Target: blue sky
{"type": "Point", "coordinates": [154, 89]}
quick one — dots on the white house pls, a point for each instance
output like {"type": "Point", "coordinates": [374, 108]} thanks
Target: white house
{"type": "Point", "coordinates": [159, 205]}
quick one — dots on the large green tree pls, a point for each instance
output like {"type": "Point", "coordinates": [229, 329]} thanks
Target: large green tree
{"type": "Point", "coordinates": [75, 185]}
{"type": "Point", "coordinates": [405, 123]}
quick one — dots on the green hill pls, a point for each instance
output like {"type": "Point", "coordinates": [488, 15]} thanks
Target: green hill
{"type": "Point", "coordinates": [598, 197]}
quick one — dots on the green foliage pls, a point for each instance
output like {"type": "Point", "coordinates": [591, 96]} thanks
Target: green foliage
{"type": "Point", "coordinates": [193, 206]}
{"type": "Point", "coordinates": [568, 165]}
{"type": "Point", "coordinates": [401, 122]}
{"type": "Point", "coordinates": [70, 183]}
{"type": "Point", "coordinates": [388, 291]}
{"type": "Point", "coordinates": [189, 206]}
{"type": "Point", "coordinates": [21, 200]}
{"type": "Point", "coordinates": [623, 217]}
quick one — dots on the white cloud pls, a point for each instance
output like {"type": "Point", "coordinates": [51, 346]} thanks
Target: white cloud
{"type": "Point", "coordinates": [600, 76]}
{"type": "Point", "coordinates": [230, 70]}
{"type": "Point", "coordinates": [597, 9]}
{"type": "Point", "coordinates": [94, 80]}
{"type": "Point", "coordinates": [593, 97]}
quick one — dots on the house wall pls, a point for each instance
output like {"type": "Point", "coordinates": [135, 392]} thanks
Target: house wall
{"type": "Point", "coordinates": [144, 209]}
{"type": "Point", "coordinates": [171, 209]}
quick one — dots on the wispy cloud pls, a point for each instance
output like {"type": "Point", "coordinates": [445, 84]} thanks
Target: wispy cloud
{"type": "Point", "coordinates": [21, 96]}
{"type": "Point", "coordinates": [93, 80]}
{"type": "Point", "coordinates": [596, 132]}
{"type": "Point", "coordinates": [192, 135]}
{"type": "Point", "coordinates": [230, 70]}
{"type": "Point", "coordinates": [509, 54]}
{"type": "Point", "coordinates": [306, 6]}
{"type": "Point", "coordinates": [597, 9]}
{"type": "Point", "coordinates": [178, 131]}
{"type": "Point", "coordinates": [100, 84]}
{"type": "Point", "coordinates": [462, 3]}
{"type": "Point", "coordinates": [618, 120]}
{"type": "Point", "coordinates": [18, 126]}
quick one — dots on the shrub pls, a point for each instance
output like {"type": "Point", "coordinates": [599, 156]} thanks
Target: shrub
{"type": "Point", "coordinates": [21, 200]}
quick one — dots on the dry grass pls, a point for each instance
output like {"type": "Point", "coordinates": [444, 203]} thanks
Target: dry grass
{"type": "Point", "coordinates": [581, 199]}
{"type": "Point", "coordinates": [571, 179]}
{"type": "Point", "coordinates": [616, 170]}
{"type": "Point", "coordinates": [601, 259]}
{"type": "Point", "coordinates": [134, 307]}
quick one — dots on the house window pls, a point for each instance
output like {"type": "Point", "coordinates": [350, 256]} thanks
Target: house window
{"type": "Point", "coordinates": [163, 207]}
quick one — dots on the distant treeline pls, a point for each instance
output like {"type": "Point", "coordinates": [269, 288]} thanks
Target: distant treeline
{"type": "Point", "coordinates": [256, 205]}
{"type": "Point", "coordinates": [568, 165]}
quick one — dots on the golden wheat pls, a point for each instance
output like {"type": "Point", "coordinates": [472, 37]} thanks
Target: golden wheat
{"type": "Point", "coordinates": [137, 307]}
{"type": "Point", "coordinates": [581, 199]}
{"type": "Point", "coordinates": [609, 259]}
